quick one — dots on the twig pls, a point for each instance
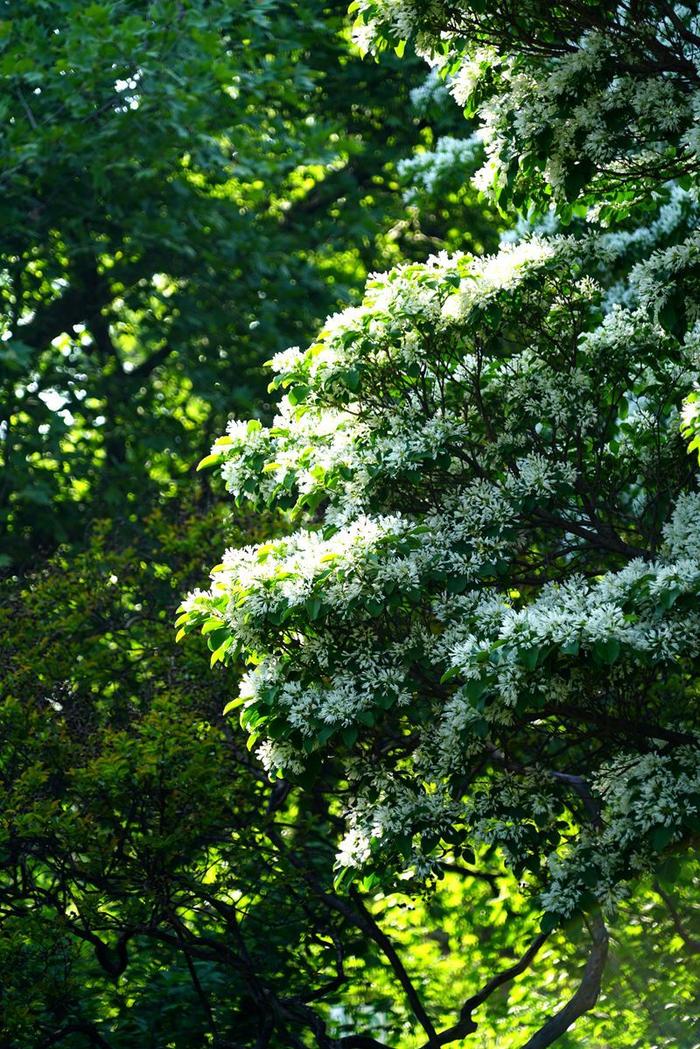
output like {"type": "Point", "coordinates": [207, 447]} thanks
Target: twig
{"type": "Point", "coordinates": [465, 1025]}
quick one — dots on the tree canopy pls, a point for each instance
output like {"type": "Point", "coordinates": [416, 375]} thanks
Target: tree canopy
{"type": "Point", "coordinates": [486, 620]}
{"type": "Point", "coordinates": [184, 189]}
{"type": "Point", "coordinates": [456, 608]}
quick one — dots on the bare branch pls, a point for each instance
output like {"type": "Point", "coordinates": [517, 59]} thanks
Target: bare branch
{"type": "Point", "coordinates": [692, 944]}
{"type": "Point", "coordinates": [465, 1025]}
{"type": "Point", "coordinates": [584, 998]}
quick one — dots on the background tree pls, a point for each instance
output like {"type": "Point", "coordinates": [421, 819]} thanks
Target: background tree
{"type": "Point", "coordinates": [156, 888]}
{"type": "Point", "coordinates": [186, 187]}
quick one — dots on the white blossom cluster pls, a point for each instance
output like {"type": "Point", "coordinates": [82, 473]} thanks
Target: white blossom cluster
{"type": "Point", "coordinates": [432, 91]}
{"type": "Point", "coordinates": [497, 539]}
{"type": "Point", "coordinates": [432, 171]}
{"type": "Point", "coordinates": [487, 611]}
{"type": "Point", "coordinates": [607, 109]}
{"type": "Point", "coordinates": [642, 798]}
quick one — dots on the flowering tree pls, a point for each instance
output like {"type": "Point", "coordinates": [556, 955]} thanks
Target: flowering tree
{"type": "Point", "coordinates": [482, 631]}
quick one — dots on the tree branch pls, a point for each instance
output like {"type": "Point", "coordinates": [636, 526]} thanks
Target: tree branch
{"type": "Point", "coordinates": [383, 941]}
{"type": "Point", "coordinates": [690, 942]}
{"type": "Point", "coordinates": [465, 1025]}
{"type": "Point", "coordinates": [584, 998]}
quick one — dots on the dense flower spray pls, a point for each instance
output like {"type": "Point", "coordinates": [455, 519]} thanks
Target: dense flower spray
{"type": "Point", "coordinates": [497, 554]}
{"type": "Point", "coordinates": [486, 617]}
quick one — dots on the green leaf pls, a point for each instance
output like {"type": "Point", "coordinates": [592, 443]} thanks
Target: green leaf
{"type": "Point", "coordinates": [549, 922]}
{"type": "Point", "coordinates": [576, 178]}
{"type": "Point", "coordinates": [212, 624]}
{"type": "Point", "coordinates": [219, 654]}
{"type": "Point", "coordinates": [217, 636]}
{"type": "Point", "coordinates": [209, 460]}
{"type": "Point", "coordinates": [661, 837]}
{"type": "Point", "coordinates": [298, 394]}
{"type": "Point", "coordinates": [352, 379]}
{"type": "Point", "coordinates": [343, 880]}
{"type": "Point", "coordinates": [672, 316]}
{"type": "Point", "coordinates": [233, 704]}
{"type": "Point", "coordinates": [528, 657]}
{"type": "Point", "coordinates": [480, 728]}
{"type": "Point", "coordinates": [475, 690]}
{"type": "Point", "coordinates": [607, 651]}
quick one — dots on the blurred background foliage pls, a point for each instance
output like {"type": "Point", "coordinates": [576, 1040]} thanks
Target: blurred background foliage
{"type": "Point", "coordinates": [186, 188]}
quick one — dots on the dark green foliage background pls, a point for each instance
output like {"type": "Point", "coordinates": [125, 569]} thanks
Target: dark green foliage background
{"type": "Point", "coordinates": [185, 188]}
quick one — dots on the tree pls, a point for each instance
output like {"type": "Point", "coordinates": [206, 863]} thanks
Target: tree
{"type": "Point", "coordinates": [482, 640]}
{"type": "Point", "coordinates": [186, 187]}
{"type": "Point", "coordinates": [157, 889]}
{"type": "Point", "coordinates": [143, 280]}
{"type": "Point", "coordinates": [138, 857]}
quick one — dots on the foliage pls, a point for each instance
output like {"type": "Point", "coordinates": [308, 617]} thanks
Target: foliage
{"type": "Point", "coordinates": [147, 895]}
{"type": "Point", "coordinates": [484, 633]}
{"type": "Point", "coordinates": [585, 104]}
{"type": "Point", "coordinates": [156, 889]}
{"type": "Point", "coordinates": [463, 617]}
{"type": "Point", "coordinates": [186, 187]}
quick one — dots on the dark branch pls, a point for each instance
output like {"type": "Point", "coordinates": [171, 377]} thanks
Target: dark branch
{"type": "Point", "coordinates": [465, 1025]}
{"type": "Point", "coordinates": [584, 998]}
{"type": "Point", "coordinates": [383, 941]}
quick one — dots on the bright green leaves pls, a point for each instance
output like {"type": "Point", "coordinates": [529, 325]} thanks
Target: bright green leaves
{"type": "Point", "coordinates": [205, 615]}
{"type": "Point", "coordinates": [690, 423]}
{"type": "Point", "coordinates": [191, 274]}
{"type": "Point", "coordinates": [297, 394]}
{"type": "Point", "coordinates": [217, 453]}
